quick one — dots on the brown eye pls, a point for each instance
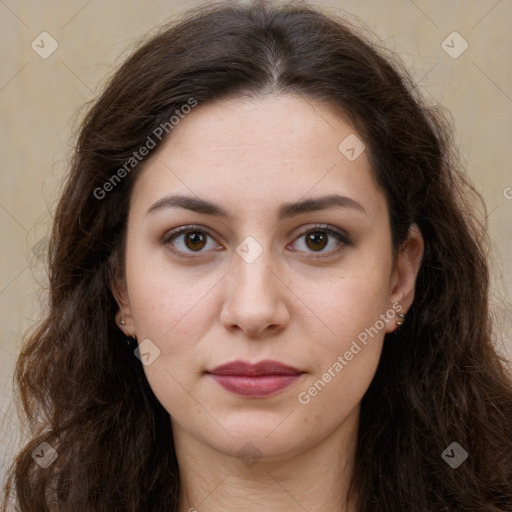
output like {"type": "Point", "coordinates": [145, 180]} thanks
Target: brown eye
{"type": "Point", "coordinates": [320, 237]}
{"type": "Point", "coordinates": [189, 240]}
{"type": "Point", "coordinates": [195, 240]}
{"type": "Point", "coordinates": [316, 240]}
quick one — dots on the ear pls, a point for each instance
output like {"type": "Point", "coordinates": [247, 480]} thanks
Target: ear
{"type": "Point", "coordinates": [123, 317]}
{"type": "Point", "coordinates": [403, 278]}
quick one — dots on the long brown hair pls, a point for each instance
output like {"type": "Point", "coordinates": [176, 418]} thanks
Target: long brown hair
{"type": "Point", "coordinates": [440, 379]}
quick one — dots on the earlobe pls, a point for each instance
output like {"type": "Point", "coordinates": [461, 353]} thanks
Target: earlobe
{"type": "Point", "coordinates": [406, 269]}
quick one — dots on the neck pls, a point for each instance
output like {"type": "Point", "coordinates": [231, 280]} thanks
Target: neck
{"type": "Point", "coordinates": [315, 479]}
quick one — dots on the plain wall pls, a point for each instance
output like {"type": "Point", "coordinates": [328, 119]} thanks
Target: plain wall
{"type": "Point", "coordinates": [39, 99]}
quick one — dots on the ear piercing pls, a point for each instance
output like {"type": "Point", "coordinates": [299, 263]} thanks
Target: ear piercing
{"type": "Point", "coordinates": [131, 341]}
{"type": "Point", "coordinates": [401, 315]}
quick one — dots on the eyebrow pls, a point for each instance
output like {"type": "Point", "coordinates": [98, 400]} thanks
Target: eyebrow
{"type": "Point", "coordinates": [286, 210]}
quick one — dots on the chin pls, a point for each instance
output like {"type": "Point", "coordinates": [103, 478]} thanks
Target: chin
{"type": "Point", "coordinates": [270, 440]}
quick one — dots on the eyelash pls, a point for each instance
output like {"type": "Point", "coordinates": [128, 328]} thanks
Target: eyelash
{"type": "Point", "coordinates": [342, 238]}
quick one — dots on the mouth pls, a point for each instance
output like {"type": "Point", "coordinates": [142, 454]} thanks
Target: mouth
{"type": "Point", "coordinates": [259, 380]}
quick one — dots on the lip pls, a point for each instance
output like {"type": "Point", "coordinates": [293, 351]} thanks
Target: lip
{"type": "Point", "coordinates": [257, 380]}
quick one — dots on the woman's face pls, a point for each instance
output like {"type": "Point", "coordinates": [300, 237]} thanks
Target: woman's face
{"type": "Point", "coordinates": [261, 273]}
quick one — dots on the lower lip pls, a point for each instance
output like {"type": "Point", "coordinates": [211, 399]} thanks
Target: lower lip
{"type": "Point", "coordinates": [256, 387]}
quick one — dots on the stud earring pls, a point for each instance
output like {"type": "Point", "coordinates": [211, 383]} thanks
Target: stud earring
{"type": "Point", "coordinates": [401, 315]}
{"type": "Point", "coordinates": [122, 321]}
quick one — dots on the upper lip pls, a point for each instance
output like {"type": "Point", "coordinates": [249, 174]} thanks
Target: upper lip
{"type": "Point", "coordinates": [243, 368]}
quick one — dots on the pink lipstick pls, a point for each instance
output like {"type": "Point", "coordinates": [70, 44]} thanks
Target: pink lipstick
{"type": "Point", "coordinates": [258, 380]}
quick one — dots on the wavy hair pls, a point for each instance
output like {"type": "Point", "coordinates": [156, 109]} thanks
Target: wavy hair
{"type": "Point", "coordinates": [440, 379]}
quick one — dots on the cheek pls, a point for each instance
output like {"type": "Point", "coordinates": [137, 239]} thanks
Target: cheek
{"type": "Point", "coordinates": [347, 345]}
{"type": "Point", "coordinates": [163, 298]}
{"type": "Point", "coordinates": [173, 309]}
{"type": "Point", "coordinates": [171, 312]}
{"type": "Point", "coordinates": [347, 304]}
{"type": "Point", "coordinates": [344, 359]}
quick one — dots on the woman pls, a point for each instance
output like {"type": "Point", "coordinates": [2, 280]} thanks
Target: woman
{"type": "Point", "coordinates": [268, 290]}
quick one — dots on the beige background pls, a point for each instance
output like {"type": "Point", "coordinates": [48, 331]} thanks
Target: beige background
{"type": "Point", "coordinates": [39, 100]}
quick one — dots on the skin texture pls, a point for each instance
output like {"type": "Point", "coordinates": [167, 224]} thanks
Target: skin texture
{"type": "Point", "coordinates": [250, 156]}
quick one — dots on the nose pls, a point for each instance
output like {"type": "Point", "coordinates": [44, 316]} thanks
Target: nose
{"type": "Point", "coordinates": [255, 298]}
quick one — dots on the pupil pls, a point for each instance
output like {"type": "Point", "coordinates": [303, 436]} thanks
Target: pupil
{"type": "Point", "coordinates": [315, 238]}
{"type": "Point", "coordinates": [195, 238]}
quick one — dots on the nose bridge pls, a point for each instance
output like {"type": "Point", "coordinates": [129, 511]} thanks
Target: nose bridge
{"type": "Point", "coordinates": [253, 299]}
{"type": "Point", "coordinates": [253, 266]}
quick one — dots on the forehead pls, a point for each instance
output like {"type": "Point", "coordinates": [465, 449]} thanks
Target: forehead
{"type": "Point", "coordinates": [284, 128]}
{"type": "Point", "coordinates": [275, 148]}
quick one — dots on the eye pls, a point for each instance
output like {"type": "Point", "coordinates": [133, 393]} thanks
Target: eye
{"type": "Point", "coordinates": [317, 238]}
{"type": "Point", "coordinates": [189, 240]}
